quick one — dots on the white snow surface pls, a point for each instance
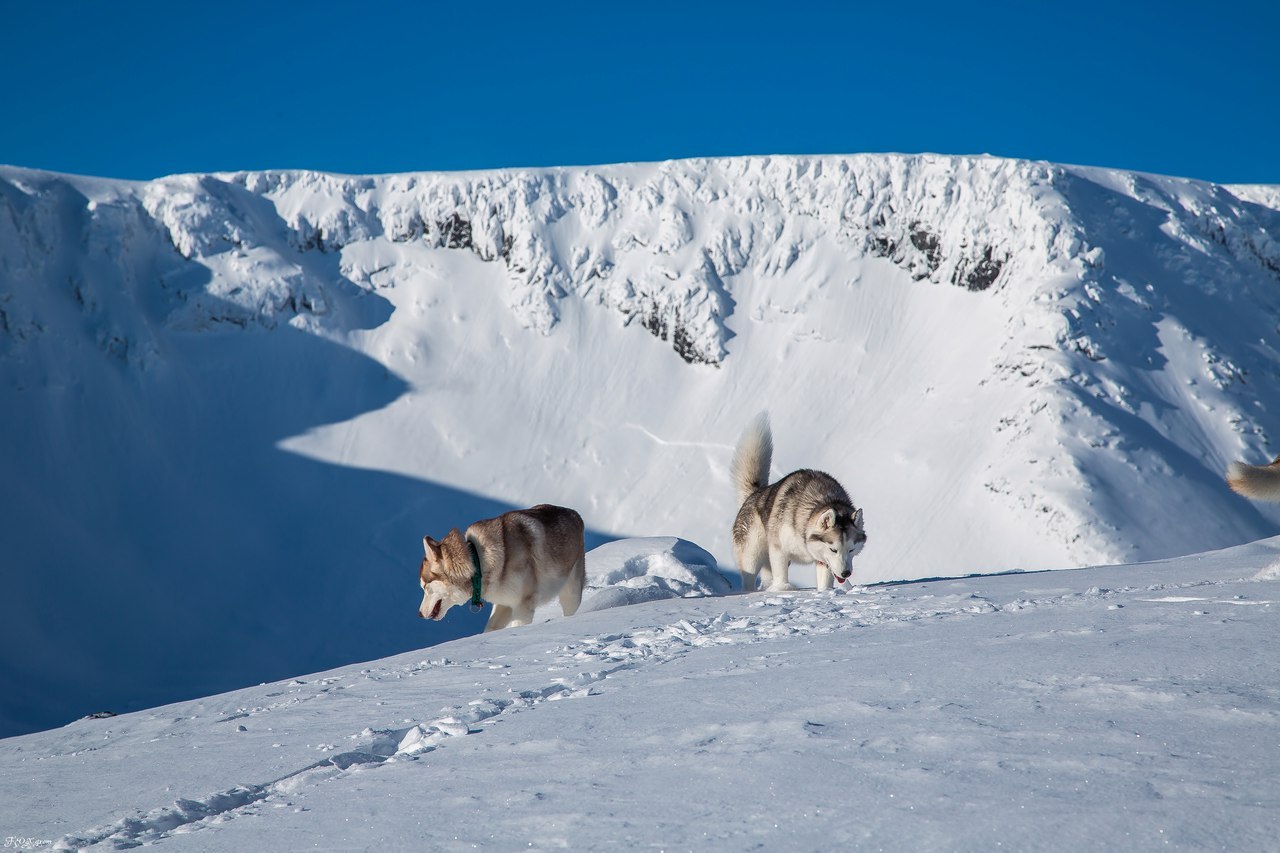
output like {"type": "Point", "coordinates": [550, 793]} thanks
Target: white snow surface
{"type": "Point", "coordinates": [232, 404]}
{"type": "Point", "coordinates": [632, 571]}
{"type": "Point", "coordinates": [1120, 707]}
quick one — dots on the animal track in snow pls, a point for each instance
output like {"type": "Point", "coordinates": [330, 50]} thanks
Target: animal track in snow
{"type": "Point", "coordinates": [577, 670]}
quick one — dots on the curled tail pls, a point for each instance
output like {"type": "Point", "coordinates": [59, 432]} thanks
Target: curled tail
{"type": "Point", "coordinates": [753, 457]}
{"type": "Point", "coordinates": [1259, 482]}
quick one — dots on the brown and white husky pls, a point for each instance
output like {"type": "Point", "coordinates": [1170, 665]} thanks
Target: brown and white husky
{"type": "Point", "coordinates": [1260, 482]}
{"type": "Point", "coordinates": [517, 561]}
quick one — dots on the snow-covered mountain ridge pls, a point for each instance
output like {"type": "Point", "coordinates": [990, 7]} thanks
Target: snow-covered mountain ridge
{"type": "Point", "coordinates": [1098, 274]}
{"type": "Point", "coordinates": [286, 378]}
{"type": "Point", "coordinates": [657, 241]}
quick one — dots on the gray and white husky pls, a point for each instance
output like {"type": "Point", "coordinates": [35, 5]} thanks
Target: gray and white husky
{"type": "Point", "coordinates": [518, 560]}
{"type": "Point", "coordinates": [1259, 482]}
{"type": "Point", "coordinates": [805, 517]}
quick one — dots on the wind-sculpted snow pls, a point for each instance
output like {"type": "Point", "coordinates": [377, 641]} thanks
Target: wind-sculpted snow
{"type": "Point", "coordinates": [631, 571]}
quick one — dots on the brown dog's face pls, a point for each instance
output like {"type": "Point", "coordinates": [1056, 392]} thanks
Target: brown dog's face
{"type": "Point", "coordinates": [438, 592]}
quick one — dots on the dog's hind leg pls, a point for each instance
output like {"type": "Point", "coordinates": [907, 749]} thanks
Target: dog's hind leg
{"type": "Point", "coordinates": [766, 577]}
{"type": "Point", "coordinates": [749, 566]}
{"type": "Point", "coordinates": [499, 618]}
{"type": "Point", "coordinates": [752, 560]}
{"type": "Point", "coordinates": [752, 566]}
{"type": "Point", "coordinates": [571, 592]}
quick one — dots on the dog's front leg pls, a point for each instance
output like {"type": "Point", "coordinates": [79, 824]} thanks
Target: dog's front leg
{"type": "Point", "coordinates": [779, 572]}
{"type": "Point", "coordinates": [523, 612]}
{"type": "Point", "coordinates": [824, 576]}
{"type": "Point", "coordinates": [499, 618]}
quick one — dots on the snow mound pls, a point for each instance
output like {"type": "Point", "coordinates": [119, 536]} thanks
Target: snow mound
{"type": "Point", "coordinates": [633, 571]}
{"type": "Point", "coordinates": [1270, 573]}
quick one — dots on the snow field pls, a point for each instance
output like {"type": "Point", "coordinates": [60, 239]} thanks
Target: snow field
{"type": "Point", "coordinates": [1113, 705]}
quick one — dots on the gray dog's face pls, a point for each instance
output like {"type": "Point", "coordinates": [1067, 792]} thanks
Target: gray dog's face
{"type": "Point", "coordinates": [833, 542]}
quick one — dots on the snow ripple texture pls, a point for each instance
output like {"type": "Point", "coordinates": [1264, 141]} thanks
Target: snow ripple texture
{"type": "Point", "coordinates": [586, 665]}
{"type": "Point", "coordinates": [581, 669]}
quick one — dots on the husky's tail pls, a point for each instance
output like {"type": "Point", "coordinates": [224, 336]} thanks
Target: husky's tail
{"type": "Point", "coordinates": [754, 456]}
{"type": "Point", "coordinates": [1259, 482]}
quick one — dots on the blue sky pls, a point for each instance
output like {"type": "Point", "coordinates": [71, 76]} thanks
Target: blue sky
{"type": "Point", "coordinates": [138, 90]}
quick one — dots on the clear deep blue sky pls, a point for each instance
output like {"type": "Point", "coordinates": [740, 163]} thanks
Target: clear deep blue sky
{"type": "Point", "coordinates": [138, 89]}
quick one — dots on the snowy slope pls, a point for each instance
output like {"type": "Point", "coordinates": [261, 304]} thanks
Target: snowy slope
{"type": "Point", "coordinates": [234, 403]}
{"type": "Point", "coordinates": [1129, 707]}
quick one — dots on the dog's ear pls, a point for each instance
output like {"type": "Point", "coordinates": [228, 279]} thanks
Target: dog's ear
{"type": "Point", "coordinates": [431, 548]}
{"type": "Point", "coordinates": [857, 518]}
{"type": "Point", "coordinates": [827, 519]}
